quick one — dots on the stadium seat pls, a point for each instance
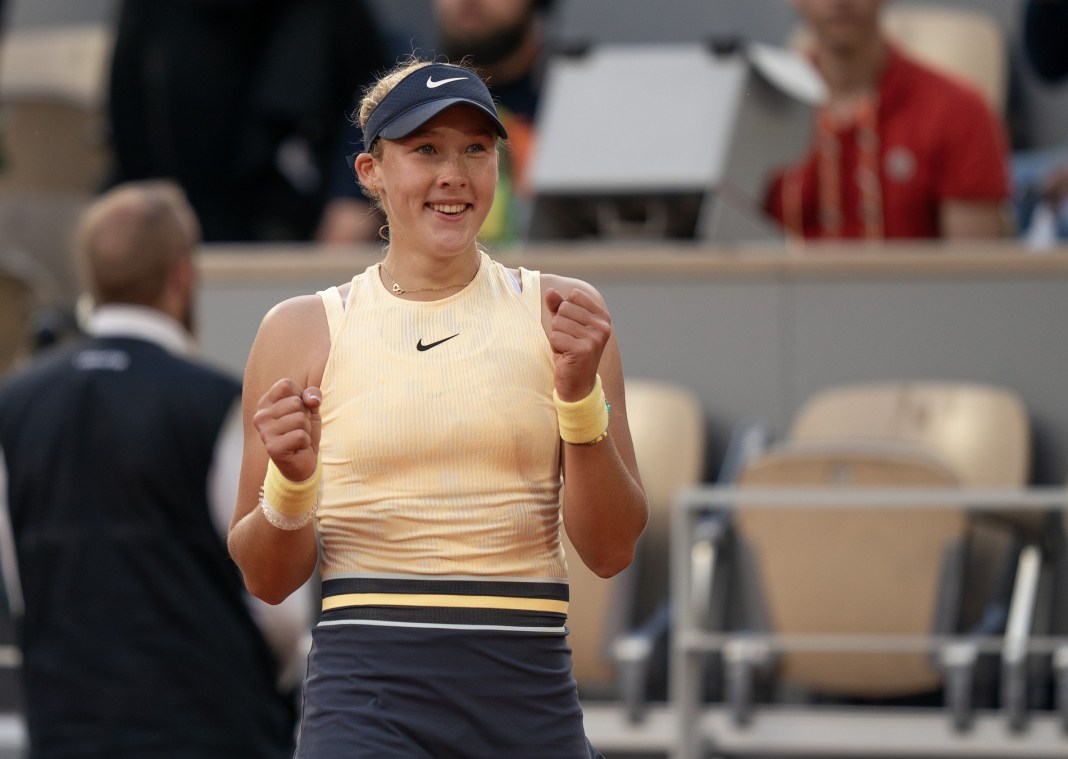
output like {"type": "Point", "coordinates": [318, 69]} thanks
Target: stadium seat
{"type": "Point", "coordinates": [856, 570]}
{"type": "Point", "coordinates": [53, 105]}
{"type": "Point", "coordinates": [53, 139]}
{"type": "Point", "coordinates": [846, 566]}
{"type": "Point", "coordinates": [668, 428]}
{"type": "Point", "coordinates": [981, 431]}
{"type": "Point", "coordinates": [964, 42]}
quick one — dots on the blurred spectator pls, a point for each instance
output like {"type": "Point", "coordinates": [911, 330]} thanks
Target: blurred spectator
{"type": "Point", "coordinates": [505, 41]}
{"type": "Point", "coordinates": [118, 475]}
{"type": "Point", "coordinates": [899, 150]}
{"type": "Point", "coordinates": [15, 307]}
{"type": "Point", "coordinates": [1040, 177]}
{"type": "Point", "coordinates": [1045, 29]}
{"type": "Point", "coordinates": [2, 26]}
{"type": "Point", "coordinates": [242, 103]}
{"type": "Point", "coordinates": [19, 295]}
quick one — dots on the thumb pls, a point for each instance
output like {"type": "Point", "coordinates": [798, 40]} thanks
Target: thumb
{"type": "Point", "coordinates": [312, 398]}
{"type": "Point", "coordinates": [553, 299]}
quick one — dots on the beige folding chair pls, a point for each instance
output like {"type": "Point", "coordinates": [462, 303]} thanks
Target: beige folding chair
{"type": "Point", "coordinates": [967, 43]}
{"type": "Point", "coordinates": [852, 570]}
{"type": "Point", "coordinates": [864, 570]}
{"type": "Point", "coordinates": [53, 128]}
{"type": "Point", "coordinates": [668, 428]}
{"type": "Point", "coordinates": [981, 431]}
{"type": "Point", "coordinates": [53, 108]}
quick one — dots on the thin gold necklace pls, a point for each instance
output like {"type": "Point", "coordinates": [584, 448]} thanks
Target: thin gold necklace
{"type": "Point", "coordinates": [397, 289]}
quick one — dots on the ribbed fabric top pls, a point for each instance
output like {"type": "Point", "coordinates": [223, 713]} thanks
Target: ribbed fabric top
{"type": "Point", "coordinates": [440, 443]}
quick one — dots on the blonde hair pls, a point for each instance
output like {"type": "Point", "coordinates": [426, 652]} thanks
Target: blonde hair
{"type": "Point", "coordinates": [377, 92]}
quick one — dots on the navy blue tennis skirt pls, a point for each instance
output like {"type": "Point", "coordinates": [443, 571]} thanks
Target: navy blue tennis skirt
{"type": "Point", "coordinates": [375, 691]}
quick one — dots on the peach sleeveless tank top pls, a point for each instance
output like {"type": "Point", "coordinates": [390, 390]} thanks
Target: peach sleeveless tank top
{"type": "Point", "coordinates": [440, 443]}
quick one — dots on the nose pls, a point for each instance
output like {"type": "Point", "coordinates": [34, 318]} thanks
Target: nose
{"type": "Point", "coordinates": [452, 172]}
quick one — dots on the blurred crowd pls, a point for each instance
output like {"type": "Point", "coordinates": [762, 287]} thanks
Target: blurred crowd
{"type": "Point", "coordinates": [247, 105]}
{"type": "Point", "coordinates": [256, 125]}
{"type": "Point", "coordinates": [231, 121]}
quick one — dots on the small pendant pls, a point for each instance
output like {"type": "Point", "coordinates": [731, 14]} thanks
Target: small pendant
{"type": "Point", "coordinates": [397, 289]}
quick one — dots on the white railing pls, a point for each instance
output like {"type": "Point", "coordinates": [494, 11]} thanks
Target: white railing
{"type": "Point", "coordinates": [701, 729]}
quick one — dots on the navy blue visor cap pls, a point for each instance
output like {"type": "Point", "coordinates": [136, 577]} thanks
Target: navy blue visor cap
{"type": "Point", "coordinates": [422, 95]}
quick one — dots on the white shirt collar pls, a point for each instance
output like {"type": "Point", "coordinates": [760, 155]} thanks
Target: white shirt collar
{"type": "Point", "coordinates": [123, 320]}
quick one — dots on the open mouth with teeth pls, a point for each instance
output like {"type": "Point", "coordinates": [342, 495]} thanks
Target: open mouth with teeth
{"type": "Point", "coordinates": [449, 209]}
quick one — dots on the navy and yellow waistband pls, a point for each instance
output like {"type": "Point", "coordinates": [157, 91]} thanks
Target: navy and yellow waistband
{"type": "Point", "coordinates": [446, 602]}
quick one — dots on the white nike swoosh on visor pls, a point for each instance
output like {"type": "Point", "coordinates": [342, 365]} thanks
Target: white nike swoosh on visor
{"type": "Point", "coordinates": [431, 84]}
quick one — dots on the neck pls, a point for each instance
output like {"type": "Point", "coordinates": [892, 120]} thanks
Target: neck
{"type": "Point", "coordinates": [428, 279]}
{"type": "Point", "coordinates": [852, 72]}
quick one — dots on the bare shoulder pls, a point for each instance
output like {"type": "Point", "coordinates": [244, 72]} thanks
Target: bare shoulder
{"type": "Point", "coordinates": [566, 285]}
{"type": "Point", "coordinates": [293, 340]}
{"type": "Point", "coordinates": [301, 313]}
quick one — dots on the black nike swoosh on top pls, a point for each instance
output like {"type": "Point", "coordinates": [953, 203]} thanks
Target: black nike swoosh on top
{"type": "Point", "coordinates": [419, 346]}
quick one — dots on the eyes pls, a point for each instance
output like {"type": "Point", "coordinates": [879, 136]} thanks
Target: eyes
{"type": "Point", "coordinates": [475, 148]}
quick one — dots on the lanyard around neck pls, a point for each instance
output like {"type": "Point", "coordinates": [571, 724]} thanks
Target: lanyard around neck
{"type": "Point", "coordinates": [831, 130]}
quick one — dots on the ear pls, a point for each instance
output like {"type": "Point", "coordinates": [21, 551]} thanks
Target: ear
{"type": "Point", "coordinates": [185, 272]}
{"type": "Point", "coordinates": [182, 280]}
{"type": "Point", "coordinates": [367, 169]}
{"type": "Point", "coordinates": [180, 292]}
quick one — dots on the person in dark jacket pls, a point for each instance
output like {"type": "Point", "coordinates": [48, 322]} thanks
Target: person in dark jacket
{"type": "Point", "coordinates": [137, 637]}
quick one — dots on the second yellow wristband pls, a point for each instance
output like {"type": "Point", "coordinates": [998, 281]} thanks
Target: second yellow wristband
{"type": "Point", "coordinates": [291, 499]}
{"type": "Point", "coordinates": [585, 421]}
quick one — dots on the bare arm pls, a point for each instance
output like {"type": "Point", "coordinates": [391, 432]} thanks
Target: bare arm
{"type": "Point", "coordinates": [1055, 185]}
{"type": "Point", "coordinates": [972, 220]}
{"type": "Point", "coordinates": [605, 508]}
{"type": "Point", "coordinates": [280, 420]}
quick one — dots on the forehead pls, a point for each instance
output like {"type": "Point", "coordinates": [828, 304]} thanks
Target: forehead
{"type": "Point", "coordinates": [462, 118]}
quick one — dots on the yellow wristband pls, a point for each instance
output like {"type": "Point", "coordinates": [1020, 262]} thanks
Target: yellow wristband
{"type": "Point", "coordinates": [583, 422]}
{"type": "Point", "coordinates": [288, 498]}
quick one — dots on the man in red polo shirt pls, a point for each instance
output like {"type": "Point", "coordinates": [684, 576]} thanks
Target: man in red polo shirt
{"type": "Point", "coordinates": [899, 150]}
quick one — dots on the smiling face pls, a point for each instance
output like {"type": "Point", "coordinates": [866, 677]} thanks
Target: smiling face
{"type": "Point", "coordinates": [437, 184]}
